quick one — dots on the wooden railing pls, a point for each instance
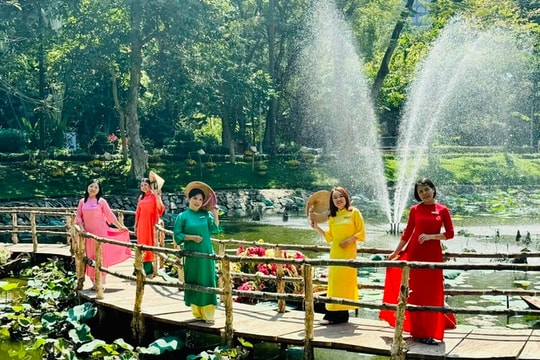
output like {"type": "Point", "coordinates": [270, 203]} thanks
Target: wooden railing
{"type": "Point", "coordinates": [173, 255]}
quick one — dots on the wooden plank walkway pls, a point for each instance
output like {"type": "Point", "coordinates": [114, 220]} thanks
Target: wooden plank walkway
{"type": "Point", "coordinates": [264, 323]}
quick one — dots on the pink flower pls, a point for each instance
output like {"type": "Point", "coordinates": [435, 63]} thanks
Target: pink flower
{"type": "Point", "coordinates": [112, 138]}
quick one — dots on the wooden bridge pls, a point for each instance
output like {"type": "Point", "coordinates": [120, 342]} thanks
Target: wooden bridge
{"type": "Point", "coordinates": [160, 300]}
{"type": "Point", "coordinates": [163, 304]}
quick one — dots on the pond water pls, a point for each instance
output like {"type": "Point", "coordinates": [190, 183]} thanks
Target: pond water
{"type": "Point", "coordinates": [481, 234]}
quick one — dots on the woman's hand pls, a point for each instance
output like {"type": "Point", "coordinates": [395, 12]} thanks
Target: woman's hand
{"type": "Point", "coordinates": [425, 237]}
{"type": "Point", "coordinates": [346, 242]}
{"type": "Point", "coordinates": [196, 238]}
{"type": "Point", "coordinates": [393, 256]}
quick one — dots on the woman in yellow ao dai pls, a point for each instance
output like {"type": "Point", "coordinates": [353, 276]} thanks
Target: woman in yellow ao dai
{"type": "Point", "coordinates": [345, 228]}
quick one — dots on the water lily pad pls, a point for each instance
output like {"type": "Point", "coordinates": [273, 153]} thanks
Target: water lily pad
{"type": "Point", "coordinates": [524, 284]}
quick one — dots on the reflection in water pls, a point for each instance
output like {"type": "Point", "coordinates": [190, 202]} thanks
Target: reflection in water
{"type": "Point", "coordinates": [481, 234]}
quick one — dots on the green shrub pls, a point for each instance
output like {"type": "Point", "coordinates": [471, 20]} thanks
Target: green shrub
{"type": "Point", "coordinates": [99, 144]}
{"type": "Point", "coordinates": [12, 141]}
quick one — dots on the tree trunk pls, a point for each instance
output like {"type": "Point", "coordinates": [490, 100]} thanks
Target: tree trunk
{"type": "Point", "coordinates": [227, 138]}
{"type": "Point", "coordinates": [121, 115]}
{"type": "Point", "coordinates": [270, 130]}
{"type": "Point", "coordinates": [384, 69]}
{"type": "Point", "coordinates": [41, 116]}
{"type": "Point", "coordinates": [139, 156]}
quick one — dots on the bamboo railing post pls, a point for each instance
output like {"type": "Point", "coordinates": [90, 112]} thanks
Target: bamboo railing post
{"type": "Point", "coordinates": [156, 262]}
{"type": "Point", "coordinates": [309, 310]}
{"type": "Point", "coordinates": [137, 322]}
{"type": "Point", "coordinates": [79, 242]}
{"type": "Point", "coordinates": [160, 239]}
{"type": "Point", "coordinates": [120, 217]}
{"type": "Point", "coordinates": [14, 234]}
{"type": "Point", "coordinates": [279, 280]}
{"type": "Point", "coordinates": [398, 350]}
{"type": "Point", "coordinates": [34, 232]}
{"type": "Point", "coordinates": [97, 270]}
{"type": "Point", "coordinates": [228, 302]}
{"type": "Point", "coordinates": [221, 281]}
{"type": "Point", "coordinates": [69, 230]}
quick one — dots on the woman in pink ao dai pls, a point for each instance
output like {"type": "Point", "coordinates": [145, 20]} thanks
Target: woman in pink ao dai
{"type": "Point", "coordinates": [94, 216]}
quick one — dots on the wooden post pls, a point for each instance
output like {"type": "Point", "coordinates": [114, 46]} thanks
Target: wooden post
{"type": "Point", "coordinates": [155, 263]}
{"type": "Point", "coordinates": [14, 234]}
{"type": "Point", "coordinates": [160, 238]}
{"type": "Point", "coordinates": [221, 281]}
{"type": "Point", "coordinates": [309, 311]}
{"type": "Point", "coordinates": [34, 232]}
{"type": "Point", "coordinates": [70, 234]}
{"type": "Point", "coordinates": [399, 348]}
{"type": "Point", "coordinates": [228, 302]}
{"type": "Point", "coordinates": [137, 322]}
{"type": "Point", "coordinates": [280, 284]}
{"type": "Point", "coordinates": [79, 242]}
{"type": "Point", "coordinates": [120, 217]}
{"type": "Point", "coordinates": [98, 263]}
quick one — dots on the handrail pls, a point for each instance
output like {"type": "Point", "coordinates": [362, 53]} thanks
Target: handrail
{"type": "Point", "coordinates": [75, 238]}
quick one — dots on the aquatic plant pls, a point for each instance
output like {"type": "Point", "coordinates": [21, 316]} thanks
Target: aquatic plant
{"type": "Point", "coordinates": [5, 255]}
{"type": "Point", "coordinates": [240, 351]}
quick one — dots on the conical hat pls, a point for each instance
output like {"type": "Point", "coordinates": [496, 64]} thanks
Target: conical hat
{"type": "Point", "coordinates": [155, 180]}
{"type": "Point", "coordinates": [318, 206]}
{"type": "Point", "coordinates": [210, 198]}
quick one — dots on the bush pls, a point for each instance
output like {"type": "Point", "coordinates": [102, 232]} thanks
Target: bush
{"type": "Point", "coordinates": [99, 144]}
{"type": "Point", "coordinates": [12, 141]}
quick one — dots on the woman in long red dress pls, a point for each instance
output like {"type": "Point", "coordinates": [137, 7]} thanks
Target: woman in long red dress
{"type": "Point", "coordinates": [94, 216]}
{"type": "Point", "coordinates": [150, 207]}
{"type": "Point", "coordinates": [421, 241]}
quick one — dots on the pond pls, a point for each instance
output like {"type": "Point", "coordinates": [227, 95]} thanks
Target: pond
{"type": "Point", "coordinates": [482, 234]}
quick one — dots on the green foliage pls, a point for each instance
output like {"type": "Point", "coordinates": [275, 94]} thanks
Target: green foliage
{"type": "Point", "coordinates": [261, 166]}
{"type": "Point", "coordinates": [241, 351]}
{"type": "Point", "coordinates": [293, 163]}
{"type": "Point", "coordinates": [47, 320]}
{"type": "Point", "coordinates": [12, 141]}
{"type": "Point", "coordinates": [479, 168]}
{"type": "Point", "coordinates": [163, 345]}
{"type": "Point", "coordinates": [99, 144]}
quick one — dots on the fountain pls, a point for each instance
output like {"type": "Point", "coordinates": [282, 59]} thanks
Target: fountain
{"type": "Point", "coordinates": [337, 99]}
{"type": "Point", "coordinates": [469, 74]}
{"type": "Point", "coordinates": [458, 83]}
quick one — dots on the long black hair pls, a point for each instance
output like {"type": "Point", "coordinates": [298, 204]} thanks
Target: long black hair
{"type": "Point", "coordinates": [146, 180]}
{"type": "Point", "coordinates": [98, 195]}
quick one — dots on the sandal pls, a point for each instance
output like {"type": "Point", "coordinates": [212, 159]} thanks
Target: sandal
{"type": "Point", "coordinates": [427, 341]}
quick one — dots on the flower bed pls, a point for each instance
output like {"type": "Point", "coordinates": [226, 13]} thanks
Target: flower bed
{"type": "Point", "coordinates": [268, 269]}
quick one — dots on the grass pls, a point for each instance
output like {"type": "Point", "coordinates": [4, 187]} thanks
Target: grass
{"type": "Point", "coordinates": [58, 178]}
